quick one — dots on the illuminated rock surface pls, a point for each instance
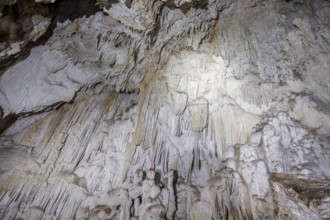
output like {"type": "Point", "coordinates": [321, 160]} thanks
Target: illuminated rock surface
{"type": "Point", "coordinates": [167, 109]}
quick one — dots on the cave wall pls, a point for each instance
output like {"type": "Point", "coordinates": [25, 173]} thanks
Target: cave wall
{"type": "Point", "coordinates": [167, 109]}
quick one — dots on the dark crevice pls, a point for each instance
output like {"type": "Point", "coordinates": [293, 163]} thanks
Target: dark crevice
{"type": "Point", "coordinates": [63, 10]}
{"type": "Point", "coordinates": [15, 20]}
{"type": "Point", "coordinates": [107, 3]}
{"type": "Point", "coordinates": [154, 33]}
{"type": "Point", "coordinates": [7, 121]}
{"type": "Point", "coordinates": [185, 7]}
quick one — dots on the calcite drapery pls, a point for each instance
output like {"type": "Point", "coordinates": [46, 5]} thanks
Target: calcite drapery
{"type": "Point", "coordinates": [172, 110]}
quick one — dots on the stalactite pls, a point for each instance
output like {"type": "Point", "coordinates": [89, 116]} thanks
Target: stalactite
{"type": "Point", "coordinates": [165, 109]}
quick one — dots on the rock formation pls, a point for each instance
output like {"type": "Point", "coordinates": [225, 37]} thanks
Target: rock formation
{"type": "Point", "coordinates": [165, 109]}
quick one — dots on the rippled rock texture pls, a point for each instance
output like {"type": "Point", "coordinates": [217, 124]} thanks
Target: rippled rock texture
{"type": "Point", "coordinates": [167, 109]}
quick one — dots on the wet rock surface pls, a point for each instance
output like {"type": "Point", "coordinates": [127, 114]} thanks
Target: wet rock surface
{"type": "Point", "coordinates": [155, 109]}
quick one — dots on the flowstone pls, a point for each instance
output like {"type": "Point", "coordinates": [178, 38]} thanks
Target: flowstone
{"type": "Point", "coordinates": [166, 109]}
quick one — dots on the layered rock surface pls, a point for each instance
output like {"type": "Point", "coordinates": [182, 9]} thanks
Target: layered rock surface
{"type": "Point", "coordinates": [172, 110]}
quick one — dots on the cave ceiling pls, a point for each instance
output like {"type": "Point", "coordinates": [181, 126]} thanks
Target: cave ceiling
{"type": "Point", "coordinates": [165, 109]}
